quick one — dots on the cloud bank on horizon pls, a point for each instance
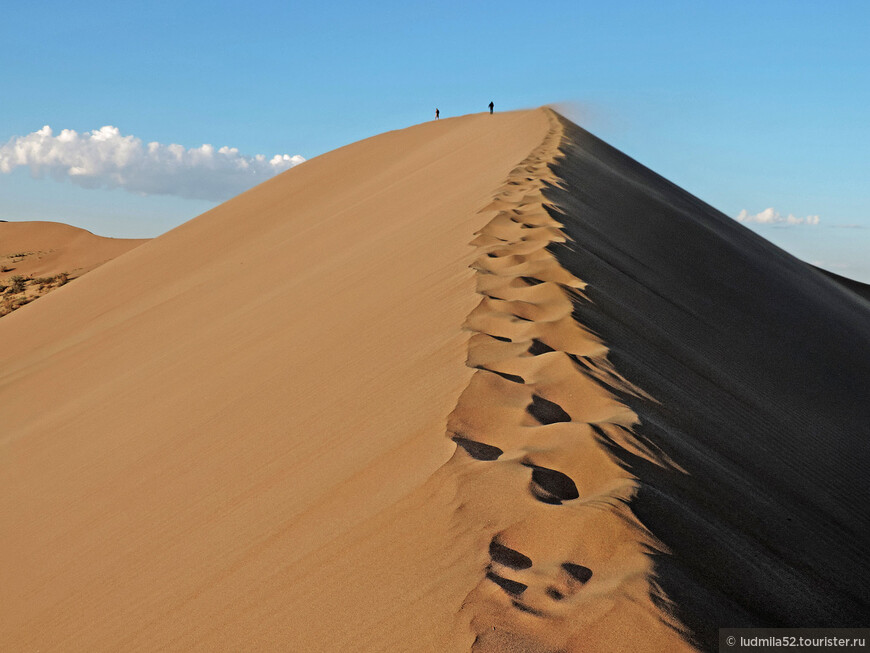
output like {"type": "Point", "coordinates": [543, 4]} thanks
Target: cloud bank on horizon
{"type": "Point", "coordinates": [771, 216]}
{"type": "Point", "coordinates": [104, 158]}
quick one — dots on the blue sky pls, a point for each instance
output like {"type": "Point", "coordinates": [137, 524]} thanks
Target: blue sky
{"type": "Point", "coordinates": [748, 105]}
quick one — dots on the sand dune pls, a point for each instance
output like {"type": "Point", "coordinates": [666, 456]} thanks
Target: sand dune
{"type": "Point", "coordinates": [49, 254]}
{"type": "Point", "coordinates": [237, 403]}
{"type": "Point", "coordinates": [484, 385]}
{"type": "Point", "coordinates": [860, 289]}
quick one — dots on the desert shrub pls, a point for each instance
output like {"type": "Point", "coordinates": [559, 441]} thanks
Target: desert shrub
{"type": "Point", "coordinates": [58, 279]}
{"type": "Point", "coordinates": [18, 283]}
{"type": "Point", "coordinates": [11, 303]}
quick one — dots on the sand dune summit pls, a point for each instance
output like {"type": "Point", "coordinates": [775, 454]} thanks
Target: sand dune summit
{"type": "Point", "coordinates": [484, 385]}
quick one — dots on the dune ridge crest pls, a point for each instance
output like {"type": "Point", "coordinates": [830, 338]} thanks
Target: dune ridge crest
{"type": "Point", "coordinates": [567, 567]}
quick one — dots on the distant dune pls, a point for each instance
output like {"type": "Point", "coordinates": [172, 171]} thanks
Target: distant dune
{"type": "Point", "coordinates": [860, 289]}
{"type": "Point", "coordinates": [46, 255]}
{"type": "Point", "coordinates": [484, 384]}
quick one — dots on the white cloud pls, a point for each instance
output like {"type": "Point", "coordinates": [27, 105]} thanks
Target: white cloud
{"type": "Point", "coordinates": [770, 216]}
{"type": "Point", "coordinates": [104, 158]}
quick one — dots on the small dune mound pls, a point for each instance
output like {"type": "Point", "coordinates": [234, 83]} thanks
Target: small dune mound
{"type": "Point", "coordinates": [38, 257]}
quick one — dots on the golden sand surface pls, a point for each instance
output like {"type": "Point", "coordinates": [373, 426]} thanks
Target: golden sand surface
{"type": "Point", "coordinates": [439, 390]}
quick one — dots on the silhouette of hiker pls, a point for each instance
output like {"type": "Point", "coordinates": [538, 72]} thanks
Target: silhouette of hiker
{"type": "Point", "coordinates": [437, 113]}
{"type": "Point", "coordinates": [491, 106]}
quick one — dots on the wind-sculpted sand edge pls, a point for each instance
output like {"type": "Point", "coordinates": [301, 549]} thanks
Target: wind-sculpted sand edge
{"type": "Point", "coordinates": [568, 562]}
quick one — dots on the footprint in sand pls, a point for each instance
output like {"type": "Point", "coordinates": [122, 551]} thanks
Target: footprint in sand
{"type": "Point", "coordinates": [551, 486]}
{"type": "Point", "coordinates": [547, 584]}
{"type": "Point", "coordinates": [513, 378]}
{"type": "Point", "coordinates": [537, 348]}
{"type": "Point", "coordinates": [512, 587]}
{"type": "Point", "coordinates": [508, 557]}
{"type": "Point", "coordinates": [546, 411]}
{"type": "Point", "coordinates": [478, 450]}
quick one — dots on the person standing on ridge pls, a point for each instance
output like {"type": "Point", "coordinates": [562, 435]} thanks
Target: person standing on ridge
{"type": "Point", "coordinates": [437, 113]}
{"type": "Point", "coordinates": [491, 107]}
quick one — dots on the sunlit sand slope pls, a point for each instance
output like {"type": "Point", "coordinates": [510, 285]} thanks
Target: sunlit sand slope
{"type": "Point", "coordinates": [202, 440]}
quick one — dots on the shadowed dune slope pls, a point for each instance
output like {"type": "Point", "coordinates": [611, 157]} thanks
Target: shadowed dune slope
{"type": "Point", "coordinates": [860, 289]}
{"type": "Point", "coordinates": [201, 439]}
{"type": "Point", "coordinates": [759, 372]}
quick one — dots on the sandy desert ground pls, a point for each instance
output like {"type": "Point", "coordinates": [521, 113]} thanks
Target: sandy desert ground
{"type": "Point", "coordinates": [484, 384]}
{"type": "Point", "coordinates": [43, 256]}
